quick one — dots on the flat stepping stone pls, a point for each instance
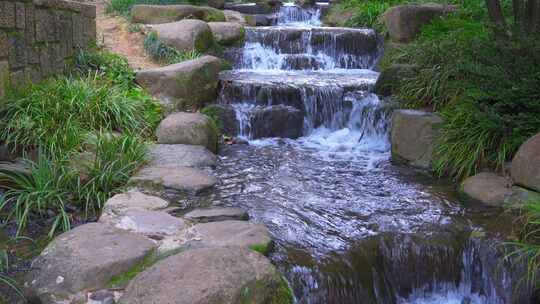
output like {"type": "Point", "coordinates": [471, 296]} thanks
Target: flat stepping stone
{"type": "Point", "coordinates": [231, 233]}
{"type": "Point", "coordinates": [85, 258]}
{"type": "Point", "coordinates": [133, 199]}
{"type": "Point", "coordinates": [181, 180]}
{"type": "Point", "coordinates": [145, 222]}
{"type": "Point", "coordinates": [216, 214]}
{"type": "Point", "coordinates": [188, 129]}
{"type": "Point", "coordinates": [181, 156]}
{"type": "Point", "coordinates": [224, 275]}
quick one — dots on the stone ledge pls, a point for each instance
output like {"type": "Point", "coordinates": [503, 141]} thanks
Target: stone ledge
{"type": "Point", "coordinates": [87, 10]}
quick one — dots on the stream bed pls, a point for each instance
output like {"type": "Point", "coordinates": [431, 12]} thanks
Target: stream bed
{"type": "Point", "coordinates": [349, 225]}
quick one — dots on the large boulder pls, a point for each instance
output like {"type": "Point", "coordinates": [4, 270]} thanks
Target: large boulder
{"type": "Point", "coordinates": [250, 8]}
{"type": "Point", "coordinates": [156, 14]}
{"type": "Point", "coordinates": [227, 275]}
{"type": "Point", "coordinates": [391, 78]}
{"type": "Point", "coordinates": [404, 22]}
{"type": "Point", "coordinates": [189, 129]}
{"type": "Point", "coordinates": [185, 35]}
{"type": "Point", "coordinates": [184, 85]}
{"type": "Point", "coordinates": [277, 121]}
{"type": "Point", "coordinates": [412, 136]}
{"type": "Point", "coordinates": [234, 16]}
{"type": "Point", "coordinates": [526, 164]}
{"type": "Point", "coordinates": [489, 188]}
{"type": "Point", "coordinates": [225, 118]}
{"type": "Point", "coordinates": [84, 258]}
{"type": "Point", "coordinates": [227, 33]}
{"type": "Point", "coordinates": [219, 4]}
{"type": "Point", "coordinates": [181, 156]}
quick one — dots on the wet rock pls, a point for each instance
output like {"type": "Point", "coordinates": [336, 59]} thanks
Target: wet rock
{"type": "Point", "coordinates": [219, 4]}
{"type": "Point", "coordinates": [209, 276]}
{"type": "Point", "coordinates": [181, 156]}
{"type": "Point", "coordinates": [391, 77]}
{"type": "Point", "coordinates": [101, 297]}
{"type": "Point", "coordinates": [305, 3]}
{"type": "Point", "coordinates": [225, 117]}
{"type": "Point", "coordinates": [526, 164]}
{"type": "Point", "coordinates": [84, 258]}
{"type": "Point", "coordinates": [412, 136]}
{"type": "Point", "coordinates": [184, 85]}
{"type": "Point", "coordinates": [185, 35]}
{"type": "Point", "coordinates": [227, 33]}
{"type": "Point", "coordinates": [264, 19]}
{"type": "Point", "coordinates": [521, 196]}
{"type": "Point", "coordinates": [488, 188]}
{"type": "Point", "coordinates": [156, 14]}
{"type": "Point", "coordinates": [250, 8]}
{"type": "Point", "coordinates": [231, 233]}
{"type": "Point", "coordinates": [216, 214]}
{"type": "Point", "coordinates": [177, 181]}
{"type": "Point", "coordinates": [301, 62]}
{"type": "Point", "coordinates": [145, 222]}
{"type": "Point", "coordinates": [189, 129]}
{"type": "Point", "coordinates": [132, 199]}
{"type": "Point", "coordinates": [277, 121]}
{"type": "Point", "coordinates": [234, 16]}
{"type": "Point", "coordinates": [404, 22]}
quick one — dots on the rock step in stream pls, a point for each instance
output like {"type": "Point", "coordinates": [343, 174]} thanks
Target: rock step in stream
{"type": "Point", "coordinates": [138, 252]}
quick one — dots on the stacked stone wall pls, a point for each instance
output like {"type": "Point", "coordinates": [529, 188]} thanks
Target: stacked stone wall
{"type": "Point", "coordinates": [38, 38]}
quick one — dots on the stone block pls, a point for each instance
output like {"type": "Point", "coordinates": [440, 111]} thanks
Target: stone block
{"type": "Point", "coordinates": [20, 15]}
{"type": "Point", "coordinates": [46, 29]}
{"type": "Point", "coordinates": [85, 9]}
{"type": "Point", "coordinates": [3, 45]}
{"type": "Point", "coordinates": [7, 14]}
{"type": "Point", "coordinates": [30, 30]}
{"type": "Point", "coordinates": [32, 55]}
{"type": "Point", "coordinates": [18, 78]}
{"type": "Point", "coordinates": [89, 26]}
{"type": "Point", "coordinates": [78, 27]}
{"type": "Point", "coordinates": [45, 62]}
{"type": "Point", "coordinates": [66, 34]}
{"type": "Point", "coordinates": [17, 51]}
{"type": "Point", "coordinates": [33, 74]}
{"type": "Point", "coordinates": [4, 77]}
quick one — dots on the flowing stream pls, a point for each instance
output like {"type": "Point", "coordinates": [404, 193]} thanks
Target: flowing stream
{"type": "Point", "coordinates": [350, 226]}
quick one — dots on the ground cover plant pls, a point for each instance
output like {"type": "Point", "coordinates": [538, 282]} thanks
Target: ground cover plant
{"type": "Point", "coordinates": [162, 53]}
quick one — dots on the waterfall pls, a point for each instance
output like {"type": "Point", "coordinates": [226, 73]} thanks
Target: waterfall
{"type": "Point", "coordinates": [291, 15]}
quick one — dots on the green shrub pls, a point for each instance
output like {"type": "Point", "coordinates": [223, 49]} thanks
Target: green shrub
{"type": "Point", "coordinates": [165, 54]}
{"type": "Point", "coordinates": [108, 66]}
{"type": "Point", "coordinates": [123, 7]}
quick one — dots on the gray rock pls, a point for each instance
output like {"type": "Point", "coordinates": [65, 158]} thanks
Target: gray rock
{"type": "Point", "coordinates": [234, 16]}
{"type": "Point", "coordinates": [179, 180]}
{"type": "Point", "coordinates": [249, 8]}
{"type": "Point", "coordinates": [188, 129]}
{"type": "Point", "coordinates": [103, 296]}
{"type": "Point", "coordinates": [225, 117]}
{"type": "Point", "coordinates": [277, 121]}
{"type": "Point", "coordinates": [85, 258]}
{"type": "Point", "coordinates": [181, 156]}
{"type": "Point", "coordinates": [156, 14]}
{"type": "Point", "coordinates": [216, 214]}
{"type": "Point", "coordinates": [488, 188]}
{"type": "Point", "coordinates": [391, 77]}
{"type": "Point", "coordinates": [133, 199]}
{"type": "Point", "coordinates": [227, 33]}
{"type": "Point", "coordinates": [185, 35]}
{"type": "Point", "coordinates": [184, 85]}
{"type": "Point", "coordinates": [412, 136]}
{"type": "Point", "coordinates": [526, 164]}
{"type": "Point", "coordinates": [209, 276]}
{"type": "Point", "coordinates": [404, 22]}
{"type": "Point", "coordinates": [145, 222]}
{"type": "Point", "coordinates": [231, 233]}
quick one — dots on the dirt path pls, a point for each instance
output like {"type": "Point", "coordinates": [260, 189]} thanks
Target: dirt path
{"type": "Point", "coordinates": [113, 34]}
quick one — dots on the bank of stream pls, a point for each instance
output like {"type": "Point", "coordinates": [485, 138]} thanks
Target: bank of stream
{"type": "Point", "coordinates": [350, 226]}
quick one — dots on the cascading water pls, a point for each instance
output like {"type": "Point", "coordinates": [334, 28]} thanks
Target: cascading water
{"type": "Point", "coordinates": [350, 227]}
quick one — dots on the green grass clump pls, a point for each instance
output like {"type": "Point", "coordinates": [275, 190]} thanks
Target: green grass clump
{"type": "Point", "coordinates": [88, 129]}
{"type": "Point", "coordinates": [485, 89]}
{"type": "Point", "coordinates": [162, 53]}
{"type": "Point", "coordinates": [123, 7]}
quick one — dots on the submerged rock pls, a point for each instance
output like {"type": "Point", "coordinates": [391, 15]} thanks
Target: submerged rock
{"type": "Point", "coordinates": [489, 188]}
{"type": "Point", "coordinates": [277, 121]}
{"type": "Point", "coordinates": [404, 22]}
{"type": "Point", "coordinates": [226, 275]}
{"type": "Point", "coordinates": [184, 85]}
{"type": "Point", "coordinates": [156, 14]}
{"type": "Point", "coordinates": [185, 35]}
{"type": "Point", "coordinates": [216, 214]}
{"type": "Point", "coordinates": [412, 136]}
{"type": "Point", "coordinates": [167, 155]}
{"type": "Point", "coordinates": [188, 129]}
{"type": "Point", "coordinates": [85, 258]}
{"type": "Point", "coordinates": [526, 164]}
{"type": "Point", "coordinates": [227, 33]}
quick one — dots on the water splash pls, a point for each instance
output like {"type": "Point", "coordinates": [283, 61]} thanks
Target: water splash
{"type": "Point", "coordinates": [292, 15]}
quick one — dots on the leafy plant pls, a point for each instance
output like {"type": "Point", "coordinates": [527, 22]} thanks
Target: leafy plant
{"type": "Point", "coordinates": [123, 7]}
{"type": "Point", "coordinates": [5, 265]}
{"type": "Point", "coordinates": [108, 65]}
{"type": "Point", "coordinates": [165, 54]}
